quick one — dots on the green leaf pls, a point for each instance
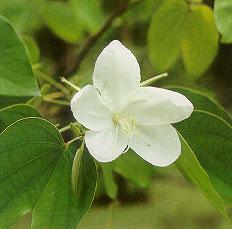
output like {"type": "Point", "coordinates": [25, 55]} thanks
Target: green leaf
{"type": "Point", "coordinates": [166, 33]}
{"type": "Point", "coordinates": [202, 101]}
{"type": "Point", "coordinates": [13, 113]}
{"type": "Point", "coordinates": [210, 137]}
{"type": "Point", "coordinates": [128, 163]}
{"type": "Point", "coordinates": [23, 14]}
{"type": "Point", "coordinates": [35, 175]}
{"type": "Point", "coordinates": [201, 40]}
{"type": "Point", "coordinates": [190, 167]}
{"type": "Point", "coordinates": [16, 76]}
{"type": "Point", "coordinates": [6, 101]}
{"type": "Point", "coordinates": [32, 48]}
{"type": "Point", "coordinates": [142, 12]}
{"type": "Point", "coordinates": [61, 19]}
{"type": "Point", "coordinates": [110, 185]}
{"type": "Point", "coordinates": [89, 12]}
{"type": "Point", "coordinates": [223, 19]}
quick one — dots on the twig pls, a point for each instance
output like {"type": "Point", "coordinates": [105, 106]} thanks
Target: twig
{"type": "Point", "coordinates": [73, 68]}
{"type": "Point", "coordinates": [52, 81]}
{"type": "Point", "coordinates": [65, 128]}
{"type": "Point", "coordinates": [60, 102]}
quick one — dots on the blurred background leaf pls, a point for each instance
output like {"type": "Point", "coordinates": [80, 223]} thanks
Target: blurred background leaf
{"type": "Point", "coordinates": [158, 44]}
{"type": "Point", "coordinates": [201, 40]}
{"type": "Point", "coordinates": [223, 19]}
{"type": "Point", "coordinates": [165, 37]}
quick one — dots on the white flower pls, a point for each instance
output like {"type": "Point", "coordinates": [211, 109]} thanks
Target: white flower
{"type": "Point", "coordinates": [121, 115]}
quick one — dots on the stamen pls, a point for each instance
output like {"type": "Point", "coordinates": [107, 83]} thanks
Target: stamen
{"type": "Point", "coordinates": [128, 127]}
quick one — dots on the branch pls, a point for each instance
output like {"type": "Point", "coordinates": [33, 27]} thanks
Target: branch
{"type": "Point", "coordinates": [73, 68]}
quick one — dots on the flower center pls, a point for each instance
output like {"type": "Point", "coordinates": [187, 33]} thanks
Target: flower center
{"type": "Point", "coordinates": [126, 124]}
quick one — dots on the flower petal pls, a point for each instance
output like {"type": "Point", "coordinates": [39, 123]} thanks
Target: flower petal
{"type": "Point", "coordinates": [89, 110]}
{"type": "Point", "coordinates": [116, 72]}
{"type": "Point", "coordinates": [105, 145]}
{"type": "Point", "coordinates": [159, 145]}
{"type": "Point", "coordinates": [157, 106]}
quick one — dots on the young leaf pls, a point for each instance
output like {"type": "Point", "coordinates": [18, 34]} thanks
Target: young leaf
{"type": "Point", "coordinates": [35, 175]}
{"type": "Point", "coordinates": [201, 40]}
{"type": "Point", "coordinates": [166, 34]}
{"type": "Point", "coordinates": [16, 76]}
{"type": "Point", "coordinates": [209, 137]}
{"type": "Point", "coordinates": [223, 19]}
{"type": "Point", "coordinates": [202, 101]}
{"type": "Point", "coordinates": [190, 167]}
{"type": "Point", "coordinates": [13, 113]}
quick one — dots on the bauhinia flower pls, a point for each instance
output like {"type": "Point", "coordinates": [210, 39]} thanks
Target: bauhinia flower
{"type": "Point", "coordinates": [121, 115]}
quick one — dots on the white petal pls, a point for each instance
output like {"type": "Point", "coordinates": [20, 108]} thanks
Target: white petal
{"type": "Point", "coordinates": [159, 145]}
{"type": "Point", "coordinates": [105, 145]}
{"type": "Point", "coordinates": [116, 72]}
{"type": "Point", "coordinates": [89, 110]}
{"type": "Point", "coordinates": [157, 106]}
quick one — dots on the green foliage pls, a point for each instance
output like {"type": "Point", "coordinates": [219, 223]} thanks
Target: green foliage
{"type": "Point", "coordinates": [166, 34]}
{"type": "Point", "coordinates": [190, 167]}
{"type": "Point", "coordinates": [207, 135]}
{"type": "Point", "coordinates": [109, 182]}
{"type": "Point", "coordinates": [202, 102]}
{"type": "Point", "coordinates": [201, 40]}
{"type": "Point", "coordinates": [23, 14]}
{"type": "Point", "coordinates": [6, 101]}
{"type": "Point", "coordinates": [89, 12]}
{"type": "Point", "coordinates": [35, 175]}
{"type": "Point", "coordinates": [13, 113]}
{"type": "Point", "coordinates": [16, 76]}
{"type": "Point", "coordinates": [177, 26]}
{"type": "Point", "coordinates": [223, 19]}
{"type": "Point", "coordinates": [210, 137]}
{"type": "Point", "coordinates": [32, 48]}
{"type": "Point", "coordinates": [61, 19]}
{"type": "Point", "coordinates": [128, 163]}
{"type": "Point", "coordinates": [68, 20]}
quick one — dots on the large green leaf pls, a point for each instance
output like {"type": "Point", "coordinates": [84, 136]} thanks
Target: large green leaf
{"type": "Point", "coordinates": [61, 19]}
{"type": "Point", "coordinates": [166, 34]}
{"type": "Point", "coordinates": [210, 137]}
{"type": "Point", "coordinates": [13, 113]}
{"type": "Point", "coordinates": [202, 102]}
{"type": "Point", "coordinates": [223, 19]}
{"type": "Point", "coordinates": [35, 175]}
{"type": "Point", "coordinates": [16, 76]}
{"type": "Point", "coordinates": [201, 40]}
{"type": "Point", "coordinates": [190, 167]}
